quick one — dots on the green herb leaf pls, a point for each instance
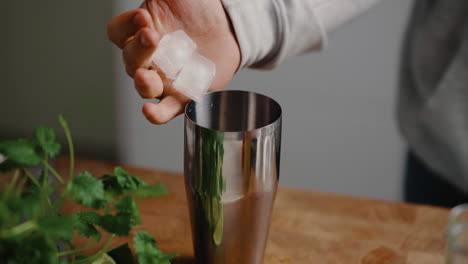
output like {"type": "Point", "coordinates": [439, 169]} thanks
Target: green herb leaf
{"type": "Point", "coordinates": [119, 224]}
{"type": "Point", "coordinates": [87, 190]}
{"type": "Point", "coordinates": [19, 153]}
{"type": "Point", "coordinates": [130, 184]}
{"type": "Point", "coordinates": [57, 226]}
{"type": "Point", "coordinates": [128, 206]}
{"type": "Point", "coordinates": [31, 228]}
{"type": "Point", "coordinates": [91, 218]}
{"type": "Point", "coordinates": [127, 181]}
{"type": "Point", "coordinates": [87, 230]}
{"type": "Point", "coordinates": [110, 182]}
{"type": "Point", "coordinates": [84, 223]}
{"type": "Point", "coordinates": [5, 213]}
{"type": "Point", "coordinates": [111, 187]}
{"type": "Point", "coordinates": [35, 248]}
{"type": "Point", "coordinates": [26, 206]}
{"type": "Point", "coordinates": [46, 138]}
{"type": "Point", "coordinates": [146, 250]}
{"type": "Point", "coordinates": [62, 121]}
{"type": "Point", "coordinates": [154, 190]}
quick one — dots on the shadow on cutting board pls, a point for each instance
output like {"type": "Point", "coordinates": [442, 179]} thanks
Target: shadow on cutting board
{"type": "Point", "coordinates": [183, 260]}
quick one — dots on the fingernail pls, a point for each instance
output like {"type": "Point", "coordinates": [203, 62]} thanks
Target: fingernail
{"type": "Point", "coordinates": [139, 20]}
{"type": "Point", "coordinates": [145, 40]}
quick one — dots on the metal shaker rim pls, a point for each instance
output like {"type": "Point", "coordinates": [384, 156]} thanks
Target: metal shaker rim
{"type": "Point", "coordinates": [270, 109]}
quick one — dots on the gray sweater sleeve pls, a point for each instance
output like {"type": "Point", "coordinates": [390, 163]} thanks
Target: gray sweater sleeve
{"type": "Point", "coordinates": [269, 31]}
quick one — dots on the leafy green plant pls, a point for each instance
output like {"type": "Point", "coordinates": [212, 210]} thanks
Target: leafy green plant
{"type": "Point", "coordinates": [32, 227]}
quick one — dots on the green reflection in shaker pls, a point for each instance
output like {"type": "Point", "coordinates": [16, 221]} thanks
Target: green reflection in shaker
{"type": "Point", "coordinates": [212, 183]}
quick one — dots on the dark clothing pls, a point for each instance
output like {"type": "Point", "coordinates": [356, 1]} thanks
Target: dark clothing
{"type": "Point", "coordinates": [433, 97]}
{"type": "Point", "coordinates": [424, 186]}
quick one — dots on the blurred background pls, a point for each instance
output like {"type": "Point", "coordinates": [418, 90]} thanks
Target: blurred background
{"type": "Point", "coordinates": [339, 130]}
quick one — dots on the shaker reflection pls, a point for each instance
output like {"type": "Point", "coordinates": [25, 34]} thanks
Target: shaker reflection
{"type": "Point", "coordinates": [232, 158]}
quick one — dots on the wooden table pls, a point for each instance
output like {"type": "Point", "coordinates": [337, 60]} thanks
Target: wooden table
{"type": "Point", "coordinates": [307, 226]}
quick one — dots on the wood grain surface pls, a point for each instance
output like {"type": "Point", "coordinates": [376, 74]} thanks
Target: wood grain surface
{"type": "Point", "coordinates": [307, 226]}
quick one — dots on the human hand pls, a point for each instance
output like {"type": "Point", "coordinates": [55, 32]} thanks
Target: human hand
{"type": "Point", "coordinates": [137, 33]}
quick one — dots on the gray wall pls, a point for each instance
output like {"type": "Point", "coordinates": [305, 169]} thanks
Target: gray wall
{"type": "Point", "coordinates": [339, 129]}
{"type": "Point", "coordinates": [56, 59]}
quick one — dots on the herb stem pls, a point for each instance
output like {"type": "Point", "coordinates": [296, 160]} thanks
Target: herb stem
{"type": "Point", "coordinates": [98, 254]}
{"type": "Point", "coordinates": [20, 187]}
{"type": "Point", "coordinates": [59, 202]}
{"type": "Point", "coordinates": [31, 177]}
{"type": "Point", "coordinates": [49, 202]}
{"type": "Point", "coordinates": [10, 187]}
{"type": "Point", "coordinates": [45, 181]}
{"type": "Point", "coordinates": [78, 250]}
{"type": "Point", "coordinates": [66, 129]}
{"type": "Point", "coordinates": [36, 182]}
{"type": "Point", "coordinates": [19, 229]}
{"type": "Point", "coordinates": [54, 172]}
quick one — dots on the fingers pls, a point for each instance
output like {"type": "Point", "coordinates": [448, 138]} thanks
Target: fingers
{"type": "Point", "coordinates": [138, 51]}
{"type": "Point", "coordinates": [148, 83]}
{"type": "Point", "coordinates": [164, 111]}
{"type": "Point", "coordinates": [124, 26]}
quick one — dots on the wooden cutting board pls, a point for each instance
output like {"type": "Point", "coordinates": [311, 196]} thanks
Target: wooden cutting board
{"type": "Point", "coordinates": [307, 226]}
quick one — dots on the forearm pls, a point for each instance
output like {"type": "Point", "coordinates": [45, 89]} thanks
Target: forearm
{"type": "Point", "coordinates": [269, 31]}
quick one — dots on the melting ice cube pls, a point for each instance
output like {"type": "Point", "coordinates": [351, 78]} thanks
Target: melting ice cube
{"type": "Point", "coordinates": [195, 77]}
{"type": "Point", "coordinates": [173, 52]}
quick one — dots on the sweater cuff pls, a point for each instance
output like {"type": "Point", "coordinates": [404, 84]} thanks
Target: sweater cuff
{"type": "Point", "coordinates": [263, 29]}
{"type": "Point", "coordinates": [255, 28]}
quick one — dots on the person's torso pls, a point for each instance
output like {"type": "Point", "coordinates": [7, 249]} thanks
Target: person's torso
{"type": "Point", "coordinates": [433, 99]}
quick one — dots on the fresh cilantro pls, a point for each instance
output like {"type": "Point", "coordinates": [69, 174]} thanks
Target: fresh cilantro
{"type": "Point", "coordinates": [35, 248]}
{"type": "Point", "coordinates": [129, 185]}
{"type": "Point", "coordinates": [127, 181]}
{"type": "Point", "coordinates": [91, 218]}
{"type": "Point", "coordinates": [46, 138]}
{"type": "Point", "coordinates": [147, 251]}
{"type": "Point", "coordinates": [112, 188]}
{"type": "Point", "coordinates": [87, 190]}
{"type": "Point", "coordinates": [119, 224]}
{"type": "Point", "coordinates": [84, 223]}
{"type": "Point", "coordinates": [19, 153]}
{"type": "Point", "coordinates": [25, 206]}
{"type": "Point", "coordinates": [30, 201]}
{"type": "Point", "coordinates": [154, 190]}
{"type": "Point", "coordinates": [5, 212]}
{"type": "Point", "coordinates": [57, 226]}
{"type": "Point", "coordinates": [32, 230]}
{"type": "Point", "coordinates": [128, 206]}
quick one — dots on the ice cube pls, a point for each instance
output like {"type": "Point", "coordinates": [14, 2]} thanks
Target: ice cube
{"type": "Point", "coordinates": [173, 52]}
{"type": "Point", "coordinates": [195, 77]}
